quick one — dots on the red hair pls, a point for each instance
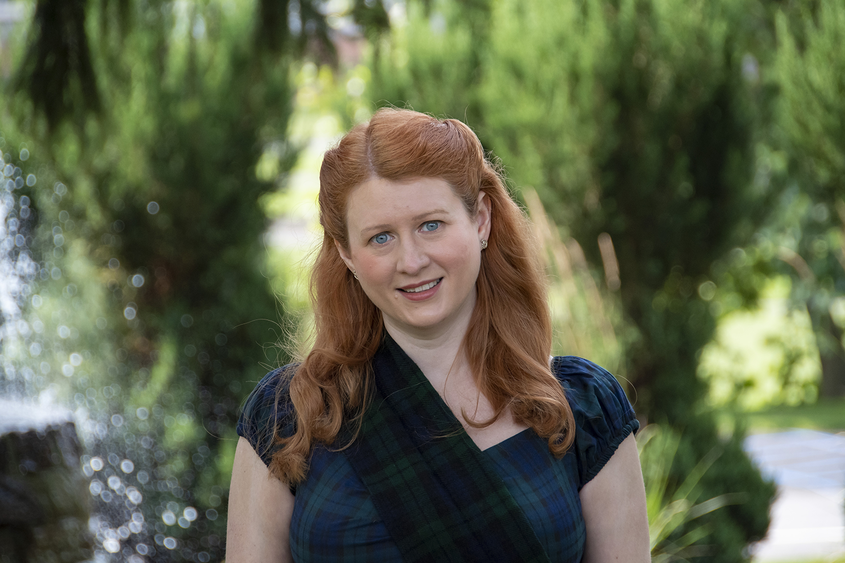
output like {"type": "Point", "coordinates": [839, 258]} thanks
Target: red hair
{"type": "Point", "coordinates": [509, 337]}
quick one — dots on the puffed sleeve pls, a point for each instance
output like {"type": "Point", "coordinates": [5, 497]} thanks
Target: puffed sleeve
{"type": "Point", "coordinates": [268, 407]}
{"type": "Point", "coordinates": [603, 415]}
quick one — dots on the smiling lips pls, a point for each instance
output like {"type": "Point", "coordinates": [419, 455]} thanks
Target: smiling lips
{"type": "Point", "coordinates": [423, 287]}
{"type": "Point", "coordinates": [424, 291]}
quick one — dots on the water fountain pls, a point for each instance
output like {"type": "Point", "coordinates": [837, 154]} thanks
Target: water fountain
{"type": "Point", "coordinates": [43, 491]}
{"type": "Point", "coordinates": [86, 440]}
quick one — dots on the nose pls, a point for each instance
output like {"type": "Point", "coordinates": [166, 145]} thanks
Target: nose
{"type": "Point", "coordinates": [412, 257]}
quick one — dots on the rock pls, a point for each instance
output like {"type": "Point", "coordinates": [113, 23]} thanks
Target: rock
{"type": "Point", "coordinates": [44, 499]}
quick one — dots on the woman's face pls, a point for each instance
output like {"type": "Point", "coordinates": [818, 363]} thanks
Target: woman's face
{"type": "Point", "coordinates": [416, 251]}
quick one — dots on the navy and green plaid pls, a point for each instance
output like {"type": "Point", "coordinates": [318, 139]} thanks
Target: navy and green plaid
{"type": "Point", "coordinates": [334, 517]}
{"type": "Point", "coordinates": [437, 493]}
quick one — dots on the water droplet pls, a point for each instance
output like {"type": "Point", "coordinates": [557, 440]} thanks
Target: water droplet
{"type": "Point", "coordinates": [211, 514]}
{"type": "Point", "coordinates": [114, 482]}
{"type": "Point", "coordinates": [114, 264]}
{"type": "Point", "coordinates": [152, 208]}
{"type": "Point", "coordinates": [75, 359]}
{"type": "Point", "coordinates": [168, 518]}
{"type": "Point", "coordinates": [190, 513]}
{"type": "Point", "coordinates": [135, 496]}
{"type": "Point", "coordinates": [170, 543]}
{"type": "Point", "coordinates": [97, 463]}
{"type": "Point", "coordinates": [137, 280]}
{"type": "Point", "coordinates": [142, 413]}
{"type": "Point", "coordinates": [127, 466]}
{"type": "Point", "coordinates": [30, 180]}
{"type": "Point", "coordinates": [129, 313]}
{"type": "Point", "coordinates": [24, 154]}
{"type": "Point", "coordinates": [111, 545]}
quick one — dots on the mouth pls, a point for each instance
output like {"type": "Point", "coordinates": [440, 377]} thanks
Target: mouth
{"type": "Point", "coordinates": [421, 288]}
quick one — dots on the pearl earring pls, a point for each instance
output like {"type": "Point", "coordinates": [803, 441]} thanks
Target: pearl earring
{"type": "Point", "coordinates": [483, 244]}
{"type": "Point", "coordinates": [354, 274]}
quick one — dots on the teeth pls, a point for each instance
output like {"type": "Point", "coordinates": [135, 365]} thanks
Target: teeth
{"type": "Point", "coordinates": [423, 287]}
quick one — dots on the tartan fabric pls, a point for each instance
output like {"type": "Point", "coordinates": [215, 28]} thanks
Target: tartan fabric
{"type": "Point", "coordinates": [334, 517]}
{"type": "Point", "coordinates": [437, 493]}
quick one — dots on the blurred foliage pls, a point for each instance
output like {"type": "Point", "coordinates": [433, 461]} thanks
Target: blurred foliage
{"type": "Point", "coordinates": [683, 521]}
{"type": "Point", "coordinates": [158, 136]}
{"type": "Point", "coordinates": [158, 279]}
{"type": "Point", "coordinates": [762, 357]}
{"type": "Point", "coordinates": [810, 72]}
{"type": "Point", "coordinates": [669, 511]}
{"type": "Point", "coordinates": [643, 127]}
{"type": "Point", "coordinates": [585, 317]}
{"type": "Point", "coordinates": [693, 149]}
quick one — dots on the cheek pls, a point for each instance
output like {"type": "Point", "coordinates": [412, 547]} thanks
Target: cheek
{"type": "Point", "coordinates": [374, 269]}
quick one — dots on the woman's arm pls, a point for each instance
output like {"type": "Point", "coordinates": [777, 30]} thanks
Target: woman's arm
{"type": "Point", "coordinates": [614, 508]}
{"type": "Point", "coordinates": [260, 509]}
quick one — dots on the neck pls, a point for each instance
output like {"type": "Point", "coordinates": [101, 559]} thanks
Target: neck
{"type": "Point", "coordinates": [439, 355]}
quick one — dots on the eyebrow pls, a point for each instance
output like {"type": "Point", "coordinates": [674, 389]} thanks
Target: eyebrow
{"type": "Point", "coordinates": [418, 217]}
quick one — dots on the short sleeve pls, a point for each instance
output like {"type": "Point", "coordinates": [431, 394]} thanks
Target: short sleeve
{"type": "Point", "coordinates": [603, 415]}
{"type": "Point", "coordinates": [268, 407]}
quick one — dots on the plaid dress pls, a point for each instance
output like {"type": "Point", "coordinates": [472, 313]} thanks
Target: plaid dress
{"type": "Point", "coordinates": [334, 518]}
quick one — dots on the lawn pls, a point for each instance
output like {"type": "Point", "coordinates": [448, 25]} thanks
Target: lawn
{"type": "Point", "coordinates": [826, 414]}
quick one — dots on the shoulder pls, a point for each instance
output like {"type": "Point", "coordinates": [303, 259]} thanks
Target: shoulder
{"type": "Point", "coordinates": [268, 408]}
{"type": "Point", "coordinates": [592, 390]}
{"type": "Point", "coordinates": [603, 414]}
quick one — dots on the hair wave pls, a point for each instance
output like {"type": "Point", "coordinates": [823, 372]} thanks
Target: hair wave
{"type": "Point", "coordinates": [509, 337]}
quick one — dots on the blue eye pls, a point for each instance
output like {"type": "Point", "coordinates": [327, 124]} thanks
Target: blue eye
{"type": "Point", "coordinates": [431, 226]}
{"type": "Point", "coordinates": [381, 238]}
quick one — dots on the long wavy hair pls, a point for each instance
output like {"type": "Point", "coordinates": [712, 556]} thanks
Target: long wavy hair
{"type": "Point", "coordinates": [509, 337]}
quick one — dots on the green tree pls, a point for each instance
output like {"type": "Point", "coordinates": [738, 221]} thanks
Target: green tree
{"type": "Point", "coordinates": [810, 72]}
{"type": "Point", "coordinates": [148, 119]}
{"type": "Point", "coordinates": [640, 119]}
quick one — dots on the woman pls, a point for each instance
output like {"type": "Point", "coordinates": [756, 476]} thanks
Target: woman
{"type": "Point", "coordinates": [428, 422]}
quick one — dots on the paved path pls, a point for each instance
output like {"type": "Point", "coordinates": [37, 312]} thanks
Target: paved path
{"type": "Point", "coordinates": [808, 517]}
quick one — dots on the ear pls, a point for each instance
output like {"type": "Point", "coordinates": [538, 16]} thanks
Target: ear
{"type": "Point", "coordinates": [483, 216]}
{"type": "Point", "coordinates": [344, 255]}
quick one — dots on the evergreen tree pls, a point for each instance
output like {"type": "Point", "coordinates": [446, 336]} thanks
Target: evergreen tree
{"type": "Point", "coordinates": [811, 75]}
{"type": "Point", "coordinates": [149, 118]}
{"type": "Point", "coordinates": [638, 119]}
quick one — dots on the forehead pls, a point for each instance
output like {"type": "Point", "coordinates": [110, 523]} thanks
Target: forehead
{"type": "Point", "coordinates": [379, 201]}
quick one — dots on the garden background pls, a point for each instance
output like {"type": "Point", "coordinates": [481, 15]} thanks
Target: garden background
{"type": "Point", "coordinates": [683, 163]}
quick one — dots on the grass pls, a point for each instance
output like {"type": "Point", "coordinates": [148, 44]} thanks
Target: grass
{"type": "Point", "coordinates": [827, 414]}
